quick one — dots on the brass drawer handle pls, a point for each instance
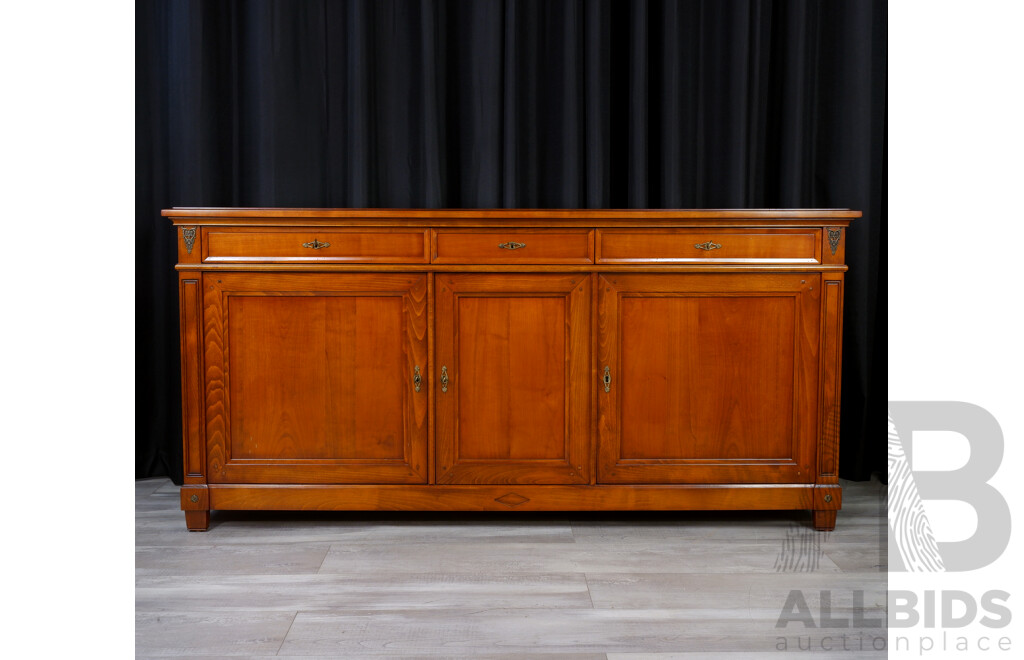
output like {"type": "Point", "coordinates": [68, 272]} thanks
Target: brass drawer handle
{"type": "Point", "coordinates": [316, 245]}
{"type": "Point", "coordinates": [444, 379]}
{"type": "Point", "coordinates": [416, 378]}
{"type": "Point", "coordinates": [511, 245]}
{"type": "Point", "coordinates": [707, 246]}
{"type": "Point", "coordinates": [607, 379]}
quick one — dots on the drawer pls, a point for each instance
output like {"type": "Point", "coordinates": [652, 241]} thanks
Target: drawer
{"type": "Point", "coordinates": [714, 245]}
{"type": "Point", "coordinates": [312, 244]}
{"type": "Point", "coordinates": [513, 246]}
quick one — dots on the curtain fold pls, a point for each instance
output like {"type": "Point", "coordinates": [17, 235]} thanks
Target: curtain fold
{"type": "Point", "coordinates": [519, 104]}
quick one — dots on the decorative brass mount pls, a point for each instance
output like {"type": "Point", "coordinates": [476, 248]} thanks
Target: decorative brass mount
{"type": "Point", "coordinates": [316, 245]}
{"type": "Point", "coordinates": [709, 245]}
{"type": "Point", "coordinates": [511, 245]}
{"type": "Point", "coordinates": [834, 235]}
{"type": "Point", "coordinates": [189, 234]}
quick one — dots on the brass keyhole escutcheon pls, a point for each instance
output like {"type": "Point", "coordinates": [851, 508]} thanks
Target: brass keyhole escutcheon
{"type": "Point", "coordinates": [607, 379]}
{"type": "Point", "coordinates": [416, 379]}
{"type": "Point", "coordinates": [444, 379]}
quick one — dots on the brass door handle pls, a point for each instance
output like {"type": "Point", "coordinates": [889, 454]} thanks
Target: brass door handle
{"type": "Point", "coordinates": [444, 379]}
{"type": "Point", "coordinates": [511, 245]}
{"type": "Point", "coordinates": [607, 379]}
{"type": "Point", "coordinates": [709, 245]}
{"type": "Point", "coordinates": [416, 378]}
{"type": "Point", "coordinates": [316, 245]}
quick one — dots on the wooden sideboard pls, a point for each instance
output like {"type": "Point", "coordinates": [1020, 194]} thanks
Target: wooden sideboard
{"type": "Point", "coordinates": [510, 360]}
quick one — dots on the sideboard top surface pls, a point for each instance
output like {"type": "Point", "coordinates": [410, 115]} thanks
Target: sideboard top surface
{"type": "Point", "coordinates": [508, 217]}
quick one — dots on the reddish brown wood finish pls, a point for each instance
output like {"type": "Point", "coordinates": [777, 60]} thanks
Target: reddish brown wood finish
{"type": "Point", "coordinates": [513, 246]}
{"type": "Point", "coordinates": [718, 245]}
{"type": "Point", "coordinates": [312, 378]}
{"type": "Point", "coordinates": [824, 521]}
{"type": "Point", "coordinates": [230, 244]}
{"type": "Point", "coordinates": [193, 440]}
{"type": "Point", "coordinates": [713, 378]}
{"type": "Point", "coordinates": [832, 321]}
{"type": "Point", "coordinates": [510, 216]}
{"type": "Point", "coordinates": [519, 497]}
{"type": "Point", "coordinates": [195, 502]}
{"type": "Point", "coordinates": [516, 352]}
{"type": "Point", "coordinates": [298, 363]}
{"type": "Point", "coordinates": [197, 521]}
{"type": "Point", "coordinates": [190, 244]}
{"type": "Point", "coordinates": [833, 245]}
{"type": "Point", "coordinates": [831, 366]}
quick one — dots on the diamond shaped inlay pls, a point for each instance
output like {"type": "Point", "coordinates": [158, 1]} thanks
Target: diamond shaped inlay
{"type": "Point", "coordinates": [512, 499]}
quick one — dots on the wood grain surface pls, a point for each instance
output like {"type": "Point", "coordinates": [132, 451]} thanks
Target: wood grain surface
{"type": "Point", "coordinates": [516, 349]}
{"type": "Point", "coordinates": [231, 244]}
{"type": "Point", "coordinates": [456, 359]}
{"type": "Point", "coordinates": [320, 378]}
{"type": "Point", "coordinates": [714, 378]}
{"type": "Point", "coordinates": [721, 245]}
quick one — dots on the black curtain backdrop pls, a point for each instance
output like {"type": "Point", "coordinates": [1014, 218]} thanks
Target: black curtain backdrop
{"type": "Point", "coordinates": [488, 103]}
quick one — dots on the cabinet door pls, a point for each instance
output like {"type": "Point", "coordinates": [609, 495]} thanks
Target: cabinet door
{"type": "Point", "coordinates": [515, 350]}
{"type": "Point", "coordinates": [310, 378]}
{"type": "Point", "coordinates": [714, 378]}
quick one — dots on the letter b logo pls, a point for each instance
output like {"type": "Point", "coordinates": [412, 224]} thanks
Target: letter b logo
{"type": "Point", "coordinates": [912, 547]}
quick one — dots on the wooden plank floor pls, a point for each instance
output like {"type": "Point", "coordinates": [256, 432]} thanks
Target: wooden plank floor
{"type": "Point", "coordinates": [701, 586]}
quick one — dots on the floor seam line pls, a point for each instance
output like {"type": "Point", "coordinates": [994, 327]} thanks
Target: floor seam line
{"type": "Point", "coordinates": [321, 566]}
{"type": "Point", "coordinates": [287, 632]}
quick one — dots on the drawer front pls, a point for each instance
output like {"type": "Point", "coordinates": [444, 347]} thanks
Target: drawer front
{"type": "Point", "coordinates": [316, 245]}
{"type": "Point", "coordinates": [514, 246]}
{"type": "Point", "coordinates": [709, 245]}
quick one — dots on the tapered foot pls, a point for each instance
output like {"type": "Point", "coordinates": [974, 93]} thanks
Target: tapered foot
{"type": "Point", "coordinates": [197, 521]}
{"type": "Point", "coordinates": [825, 521]}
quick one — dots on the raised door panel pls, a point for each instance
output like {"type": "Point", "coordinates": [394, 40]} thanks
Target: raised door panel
{"type": "Point", "coordinates": [512, 400]}
{"type": "Point", "coordinates": [713, 378]}
{"type": "Point", "coordinates": [311, 378]}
